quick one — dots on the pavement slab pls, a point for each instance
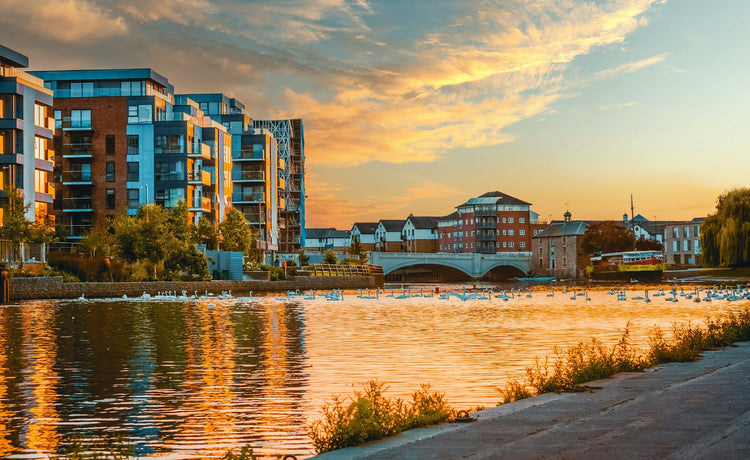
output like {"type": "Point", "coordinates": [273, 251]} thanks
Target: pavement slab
{"type": "Point", "coordinates": [698, 410]}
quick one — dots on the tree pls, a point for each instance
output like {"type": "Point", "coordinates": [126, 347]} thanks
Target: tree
{"type": "Point", "coordinates": [16, 227]}
{"type": "Point", "coordinates": [331, 257]}
{"type": "Point", "coordinates": [607, 236]}
{"type": "Point", "coordinates": [236, 234]}
{"type": "Point", "coordinates": [725, 235]}
{"type": "Point", "coordinates": [205, 233]}
{"type": "Point", "coordinates": [187, 264]}
{"type": "Point", "coordinates": [357, 251]}
{"type": "Point", "coordinates": [98, 241]}
{"type": "Point", "coordinates": [648, 245]}
{"type": "Point", "coordinates": [303, 259]}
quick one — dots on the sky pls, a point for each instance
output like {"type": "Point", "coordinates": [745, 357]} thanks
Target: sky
{"type": "Point", "coordinates": [412, 107]}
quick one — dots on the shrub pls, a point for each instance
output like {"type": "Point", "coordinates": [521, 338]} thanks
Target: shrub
{"type": "Point", "coordinates": [370, 416]}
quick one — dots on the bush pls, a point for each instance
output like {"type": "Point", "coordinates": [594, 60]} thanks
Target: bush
{"type": "Point", "coordinates": [370, 416]}
{"type": "Point", "coordinates": [87, 268]}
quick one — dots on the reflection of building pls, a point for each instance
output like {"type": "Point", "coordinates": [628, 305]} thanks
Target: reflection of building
{"type": "Point", "coordinates": [682, 242]}
{"type": "Point", "coordinates": [290, 137]}
{"type": "Point", "coordinates": [125, 140]}
{"type": "Point", "coordinates": [26, 124]}
{"type": "Point", "coordinates": [488, 224]}
{"type": "Point", "coordinates": [557, 251]}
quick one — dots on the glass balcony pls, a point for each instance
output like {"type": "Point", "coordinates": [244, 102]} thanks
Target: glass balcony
{"type": "Point", "coordinates": [244, 197]}
{"type": "Point", "coordinates": [80, 149]}
{"type": "Point", "coordinates": [77, 204]}
{"type": "Point", "coordinates": [239, 175]}
{"type": "Point", "coordinates": [76, 176]}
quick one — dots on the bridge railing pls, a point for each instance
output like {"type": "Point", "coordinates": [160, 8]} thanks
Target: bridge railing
{"type": "Point", "coordinates": [345, 270]}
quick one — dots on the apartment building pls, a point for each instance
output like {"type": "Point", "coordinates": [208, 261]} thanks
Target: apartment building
{"type": "Point", "coordinates": [420, 234]}
{"type": "Point", "coordinates": [491, 223]}
{"type": "Point", "coordinates": [27, 153]}
{"type": "Point", "coordinates": [257, 189]}
{"type": "Point", "coordinates": [364, 232]}
{"type": "Point", "coordinates": [682, 242]}
{"type": "Point", "coordinates": [320, 240]}
{"type": "Point", "coordinates": [557, 250]}
{"type": "Point", "coordinates": [125, 140]}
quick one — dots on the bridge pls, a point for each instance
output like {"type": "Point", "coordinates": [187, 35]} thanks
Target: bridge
{"type": "Point", "coordinates": [471, 264]}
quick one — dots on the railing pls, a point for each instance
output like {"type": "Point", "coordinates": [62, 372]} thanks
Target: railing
{"type": "Point", "coordinates": [78, 149]}
{"type": "Point", "coordinates": [485, 212]}
{"type": "Point", "coordinates": [245, 155]}
{"type": "Point", "coordinates": [76, 176]}
{"type": "Point", "coordinates": [76, 203]}
{"type": "Point", "coordinates": [486, 224]}
{"type": "Point", "coordinates": [202, 203]}
{"type": "Point", "coordinates": [239, 197]}
{"type": "Point", "coordinates": [247, 175]}
{"type": "Point", "coordinates": [345, 270]}
{"type": "Point", "coordinates": [202, 176]}
{"type": "Point", "coordinates": [77, 230]}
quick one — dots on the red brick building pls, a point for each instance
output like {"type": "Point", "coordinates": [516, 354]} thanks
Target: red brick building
{"type": "Point", "coordinates": [491, 223]}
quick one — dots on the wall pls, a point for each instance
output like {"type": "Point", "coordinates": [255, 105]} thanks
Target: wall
{"type": "Point", "coordinates": [54, 288]}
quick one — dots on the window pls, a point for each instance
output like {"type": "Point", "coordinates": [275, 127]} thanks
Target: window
{"type": "Point", "coordinates": [133, 199]}
{"type": "Point", "coordinates": [510, 220]}
{"type": "Point", "coordinates": [110, 171]}
{"type": "Point", "coordinates": [522, 232]}
{"type": "Point", "coordinates": [80, 118]}
{"type": "Point", "coordinates": [676, 232]}
{"type": "Point", "coordinates": [133, 171]}
{"type": "Point", "coordinates": [511, 232]}
{"type": "Point", "coordinates": [58, 119]}
{"type": "Point", "coordinates": [110, 144]}
{"type": "Point", "coordinates": [686, 245]}
{"type": "Point", "coordinates": [505, 232]}
{"type": "Point", "coordinates": [40, 148]}
{"type": "Point", "coordinates": [133, 145]}
{"type": "Point", "coordinates": [686, 231]}
{"type": "Point", "coordinates": [40, 115]}
{"type": "Point", "coordinates": [40, 181]}
{"type": "Point", "coordinates": [511, 244]}
{"type": "Point", "coordinates": [675, 246]}
{"type": "Point", "coordinates": [110, 199]}
{"type": "Point", "coordinates": [522, 244]}
{"type": "Point", "coordinates": [504, 219]}
{"type": "Point", "coordinates": [505, 245]}
{"type": "Point", "coordinates": [695, 231]}
{"type": "Point", "coordinates": [565, 262]}
{"type": "Point", "coordinates": [521, 220]}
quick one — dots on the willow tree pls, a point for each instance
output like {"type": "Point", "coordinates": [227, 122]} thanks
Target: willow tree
{"type": "Point", "coordinates": [725, 235]}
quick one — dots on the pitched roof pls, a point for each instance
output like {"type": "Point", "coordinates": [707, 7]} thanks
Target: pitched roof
{"type": "Point", "coordinates": [365, 228]}
{"type": "Point", "coordinates": [494, 198]}
{"type": "Point", "coordinates": [313, 233]}
{"type": "Point", "coordinates": [423, 221]}
{"type": "Point", "coordinates": [392, 225]}
{"type": "Point", "coordinates": [576, 227]}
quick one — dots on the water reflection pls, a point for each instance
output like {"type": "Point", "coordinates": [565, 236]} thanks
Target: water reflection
{"type": "Point", "coordinates": [196, 378]}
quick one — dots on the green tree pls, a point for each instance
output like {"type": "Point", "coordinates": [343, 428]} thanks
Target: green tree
{"type": "Point", "coordinates": [303, 259]}
{"type": "Point", "coordinates": [186, 263]}
{"type": "Point", "coordinates": [236, 234]}
{"type": "Point", "coordinates": [99, 240]}
{"type": "Point", "coordinates": [607, 236]}
{"type": "Point", "coordinates": [16, 227]}
{"type": "Point", "coordinates": [205, 233]}
{"type": "Point", "coordinates": [330, 257]}
{"type": "Point", "coordinates": [357, 251]}
{"type": "Point", "coordinates": [725, 235]}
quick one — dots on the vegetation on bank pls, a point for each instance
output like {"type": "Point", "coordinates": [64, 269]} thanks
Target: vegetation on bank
{"type": "Point", "coordinates": [369, 415]}
{"type": "Point", "coordinates": [725, 235]}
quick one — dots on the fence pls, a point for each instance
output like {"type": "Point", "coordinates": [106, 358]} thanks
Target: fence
{"type": "Point", "coordinates": [345, 270]}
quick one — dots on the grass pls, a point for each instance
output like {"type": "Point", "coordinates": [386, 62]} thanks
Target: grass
{"type": "Point", "coordinates": [369, 415]}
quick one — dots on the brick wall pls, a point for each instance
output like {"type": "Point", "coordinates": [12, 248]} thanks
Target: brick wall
{"type": "Point", "coordinates": [54, 288]}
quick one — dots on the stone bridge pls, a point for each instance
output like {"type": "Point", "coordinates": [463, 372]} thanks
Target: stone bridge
{"type": "Point", "coordinates": [473, 265]}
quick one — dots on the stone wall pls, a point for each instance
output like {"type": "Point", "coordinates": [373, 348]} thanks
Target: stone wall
{"type": "Point", "coordinates": [55, 288]}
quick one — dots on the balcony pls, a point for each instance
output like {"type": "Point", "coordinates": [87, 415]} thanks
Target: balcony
{"type": "Point", "coordinates": [201, 151]}
{"type": "Point", "coordinates": [76, 177]}
{"type": "Point", "coordinates": [485, 212]}
{"type": "Point", "coordinates": [201, 204]}
{"type": "Point", "coordinates": [247, 155]}
{"type": "Point", "coordinates": [254, 217]}
{"type": "Point", "coordinates": [486, 236]}
{"type": "Point", "coordinates": [78, 150]}
{"type": "Point", "coordinates": [248, 197]}
{"type": "Point", "coordinates": [78, 204]}
{"type": "Point", "coordinates": [247, 176]}
{"type": "Point", "coordinates": [77, 231]}
{"type": "Point", "coordinates": [199, 177]}
{"type": "Point", "coordinates": [488, 224]}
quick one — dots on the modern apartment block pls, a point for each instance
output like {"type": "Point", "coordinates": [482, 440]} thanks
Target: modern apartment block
{"type": "Point", "coordinates": [289, 135]}
{"type": "Point", "coordinates": [491, 223]}
{"type": "Point", "coordinates": [26, 135]}
{"type": "Point", "coordinates": [125, 140]}
{"type": "Point", "coordinates": [257, 172]}
{"type": "Point", "coordinates": [682, 242]}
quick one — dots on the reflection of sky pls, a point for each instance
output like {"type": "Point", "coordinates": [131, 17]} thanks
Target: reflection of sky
{"type": "Point", "coordinates": [412, 107]}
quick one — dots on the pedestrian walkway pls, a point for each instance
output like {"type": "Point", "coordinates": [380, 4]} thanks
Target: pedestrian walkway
{"type": "Point", "coordinates": [678, 410]}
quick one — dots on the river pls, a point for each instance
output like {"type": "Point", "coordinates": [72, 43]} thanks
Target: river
{"type": "Point", "coordinates": [197, 377]}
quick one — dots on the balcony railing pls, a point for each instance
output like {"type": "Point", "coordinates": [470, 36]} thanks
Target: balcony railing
{"type": "Point", "coordinates": [247, 155]}
{"type": "Point", "coordinates": [76, 176]}
{"type": "Point", "coordinates": [244, 197]}
{"type": "Point", "coordinates": [484, 212]}
{"type": "Point", "coordinates": [77, 230]}
{"type": "Point", "coordinates": [201, 150]}
{"type": "Point", "coordinates": [485, 224]}
{"type": "Point", "coordinates": [77, 204]}
{"type": "Point", "coordinates": [239, 175]}
{"type": "Point", "coordinates": [199, 177]}
{"type": "Point", "coordinates": [78, 149]}
{"type": "Point", "coordinates": [202, 204]}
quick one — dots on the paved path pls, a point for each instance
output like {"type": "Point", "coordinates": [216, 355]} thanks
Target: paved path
{"type": "Point", "coordinates": [680, 410]}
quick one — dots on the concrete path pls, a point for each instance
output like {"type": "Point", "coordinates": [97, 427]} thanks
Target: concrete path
{"type": "Point", "coordinates": [680, 410]}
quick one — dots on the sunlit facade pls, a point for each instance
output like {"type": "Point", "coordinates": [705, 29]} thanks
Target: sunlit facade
{"type": "Point", "coordinates": [26, 133]}
{"type": "Point", "coordinates": [125, 140]}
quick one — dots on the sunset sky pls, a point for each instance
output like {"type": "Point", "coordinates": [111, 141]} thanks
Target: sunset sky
{"type": "Point", "coordinates": [415, 106]}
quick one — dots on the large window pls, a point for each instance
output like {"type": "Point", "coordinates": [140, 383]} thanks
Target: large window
{"type": "Point", "coordinates": [171, 143]}
{"type": "Point", "coordinates": [133, 199]}
{"type": "Point", "coordinates": [133, 145]}
{"type": "Point", "coordinates": [110, 144]}
{"type": "Point", "coordinates": [169, 170]}
{"type": "Point", "coordinates": [110, 199]}
{"type": "Point", "coordinates": [80, 118]}
{"type": "Point", "coordinates": [133, 171]}
{"type": "Point", "coordinates": [110, 171]}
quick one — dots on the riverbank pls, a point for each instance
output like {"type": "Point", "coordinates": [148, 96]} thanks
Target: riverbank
{"type": "Point", "coordinates": [54, 288]}
{"type": "Point", "coordinates": [679, 410]}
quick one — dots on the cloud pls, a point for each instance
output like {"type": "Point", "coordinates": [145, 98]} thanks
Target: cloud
{"type": "Point", "coordinates": [630, 67]}
{"type": "Point", "coordinates": [68, 21]}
